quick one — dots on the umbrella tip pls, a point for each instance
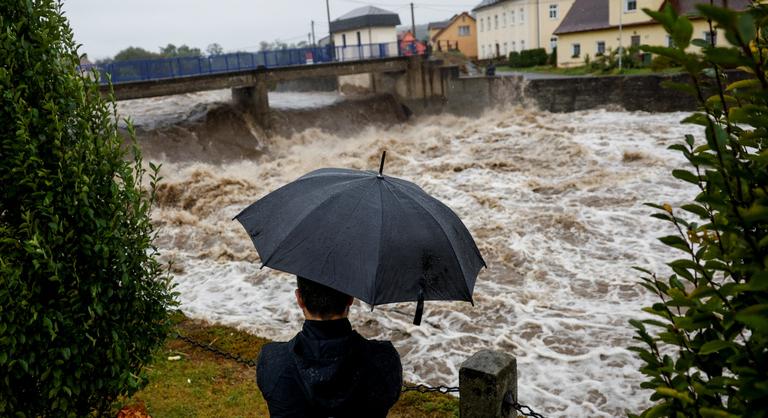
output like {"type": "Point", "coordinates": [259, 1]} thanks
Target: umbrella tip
{"type": "Point", "coordinates": [381, 165]}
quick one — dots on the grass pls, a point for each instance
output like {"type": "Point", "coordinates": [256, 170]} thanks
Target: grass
{"type": "Point", "coordinates": [202, 384]}
{"type": "Point", "coordinates": [584, 70]}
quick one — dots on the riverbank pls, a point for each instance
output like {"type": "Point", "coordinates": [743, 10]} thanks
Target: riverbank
{"type": "Point", "coordinates": [187, 381]}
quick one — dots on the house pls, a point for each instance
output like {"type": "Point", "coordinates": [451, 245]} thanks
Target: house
{"type": "Point", "coordinates": [365, 32]}
{"type": "Point", "coordinates": [458, 33]}
{"type": "Point", "coordinates": [409, 45]}
{"type": "Point", "coordinates": [592, 27]}
{"type": "Point", "coordinates": [434, 27]}
{"type": "Point", "coordinates": [504, 26]}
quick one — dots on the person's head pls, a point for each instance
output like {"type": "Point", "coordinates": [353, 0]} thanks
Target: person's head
{"type": "Point", "coordinates": [320, 302]}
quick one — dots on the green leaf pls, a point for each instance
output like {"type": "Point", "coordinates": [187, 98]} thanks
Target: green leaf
{"type": "Point", "coordinates": [754, 317]}
{"type": "Point", "coordinates": [682, 30]}
{"type": "Point", "coordinates": [686, 176]}
{"type": "Point", "coordinates": [714, 346]}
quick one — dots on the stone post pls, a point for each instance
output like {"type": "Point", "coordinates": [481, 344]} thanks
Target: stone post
{"type": "Point", "coordinates": [485, 379]}
{"type": "Point", "coordinates": [255, 99]}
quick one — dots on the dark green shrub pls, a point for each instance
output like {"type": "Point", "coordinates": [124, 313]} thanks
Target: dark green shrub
{"type": "Point", "coordinates": [83, 299]}
{"type": "Point", "coordinates": [514, 59]}
{"type": "Point", "coordinates": [660, 63]}
{"type": "Point", "coordinates": [533, 57]}
{"type": "Point", "coordinates": [705, 353]}
{"type": "Point", "coordinates": [552, 60]}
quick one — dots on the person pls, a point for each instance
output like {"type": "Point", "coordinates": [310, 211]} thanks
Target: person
{"type": "Point", "coordinates": [328, 369]}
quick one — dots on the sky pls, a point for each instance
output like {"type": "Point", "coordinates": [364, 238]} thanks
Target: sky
{"type": "Point", "coordinates": [104, 27]}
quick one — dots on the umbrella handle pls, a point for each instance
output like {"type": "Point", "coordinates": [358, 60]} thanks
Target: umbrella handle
{"type": "Point", "coordinates": [381, 165]}
{"type": "Point", "coordinates": [419, 309]}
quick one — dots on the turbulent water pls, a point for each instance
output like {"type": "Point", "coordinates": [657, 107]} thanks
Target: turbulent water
{"type": "Point", "coordinates": [554, 202]}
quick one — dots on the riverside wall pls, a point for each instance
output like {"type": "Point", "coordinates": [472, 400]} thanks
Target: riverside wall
{"type": "Point", "coordinates": [472, 95]}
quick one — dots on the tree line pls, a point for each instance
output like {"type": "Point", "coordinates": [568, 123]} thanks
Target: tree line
{"type": "Point", "coordinates": [172, 51]}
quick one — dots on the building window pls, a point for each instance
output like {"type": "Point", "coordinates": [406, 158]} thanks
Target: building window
{"type": "Point", "coordinates": [710, 37]}
{"type": "Point", "coordinates": [553, 11]}
{"type": "Point", "coordinates": [344, 39]}
{"type": "Point", "coordinates": [495, 21]}
{"type": "Point", "coordinates": [505, 49]}
{"type": "Point", "coordinates": [600, 47]}
{"type": "Point", "coordinates": [634, 40]}
{"type": "Point", "coordinates": [359, 41]}
{"type": "Point", "coordinates": [522, 15]}
{"type": "Point", "coordinates": [512, 17]}
{"type": "Point", "coordinates": [553, 42]}
{"type": "Point", "coordinates": [670, 42]}
{"type": "Point", "coordinates": [482, 51]}
{"type": "Point", "coordinates": [576, 50]}
{"type": "Point", "coordinates": [522, 45]}
{"type": "Point", "coordinates": [463, 30]}
{"type": "Point", "coordinates": [482, 25]}
{"type": "Point", "coordinates": [630, 5]}
{"type": "Point", "coordinates": [504, 20]}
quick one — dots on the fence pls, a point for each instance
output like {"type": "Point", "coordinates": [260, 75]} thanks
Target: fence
{"type": "Point", "coordinates": [165, 68]}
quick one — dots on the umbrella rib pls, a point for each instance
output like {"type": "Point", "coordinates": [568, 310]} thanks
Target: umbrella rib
{"type": "Point", "coordinates": [280, 245]}
{"type": "Point", "coordinates": [381, 233]}
{"type": "Point", "coordinates": [450, 243]}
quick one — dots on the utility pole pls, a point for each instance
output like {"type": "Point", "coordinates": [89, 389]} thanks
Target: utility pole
{"type": "Point", "coordinates": [328, 12]}
{"type": "Point", "coordinates": [621, 51]}
{"type": "Point", "coordinates": [313, 34]}
{"type": "Point", "coordinates": [309, 38]}
{"type": "Point", "coordinates": [413, 23]}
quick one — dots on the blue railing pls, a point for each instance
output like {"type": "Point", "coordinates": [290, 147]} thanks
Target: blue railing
{"type": "Point", "coordinates": [164, 68]}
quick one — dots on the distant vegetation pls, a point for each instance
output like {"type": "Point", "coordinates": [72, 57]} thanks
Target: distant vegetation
{"type": "Point", "coordinates": [168, 51]}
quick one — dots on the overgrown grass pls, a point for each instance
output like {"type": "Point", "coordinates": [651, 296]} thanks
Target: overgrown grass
{"type": "Point", "coordinates": [201, 384]}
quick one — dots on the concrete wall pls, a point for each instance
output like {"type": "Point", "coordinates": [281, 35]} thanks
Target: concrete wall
{"type": "Point", "coordinates": [472, 95]}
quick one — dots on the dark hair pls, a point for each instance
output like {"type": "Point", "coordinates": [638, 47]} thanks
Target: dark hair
{"type": "Point", "coordinates": [321, 300]}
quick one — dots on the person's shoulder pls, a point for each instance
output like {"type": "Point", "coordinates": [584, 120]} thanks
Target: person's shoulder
{"type": "Point", "coordinates": [273, 359]}
{"type": "Point", "coordinates": [380, 348]}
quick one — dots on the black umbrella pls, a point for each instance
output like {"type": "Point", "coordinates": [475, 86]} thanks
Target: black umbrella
{"type": "Point", "coordinates": [378, 238]}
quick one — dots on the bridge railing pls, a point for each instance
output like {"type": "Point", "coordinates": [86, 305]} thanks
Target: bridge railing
{"type": "Point", "coordinates": [165, 68]}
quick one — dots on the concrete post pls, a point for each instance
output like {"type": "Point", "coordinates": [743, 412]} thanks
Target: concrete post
{"type": "Point", "coordinates": [485, 379]}
{"type": "Point", "coordinates": [255, 99]}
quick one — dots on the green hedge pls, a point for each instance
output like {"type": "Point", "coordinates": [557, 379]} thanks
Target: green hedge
{"type": "Point", "coordinates": [83, 299]}
{"type": "Point", "coordinates": [528, 58]}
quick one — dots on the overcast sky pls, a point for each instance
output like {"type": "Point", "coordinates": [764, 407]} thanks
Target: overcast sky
{"type": "Point", "coordinates": [105, 27]}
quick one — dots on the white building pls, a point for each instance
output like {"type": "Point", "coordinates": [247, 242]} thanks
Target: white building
{"type": "Point", "coordinates": [364, 33]}
{"type": "Point", "coordinates": [504, 26]}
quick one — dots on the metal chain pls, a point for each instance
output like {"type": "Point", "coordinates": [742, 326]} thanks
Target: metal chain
{"type": "Point", "coordinates": [526, 410]}
{"type": "Point", "coordinates": [217, 351]}
{"type": "Point", "coordinates": [426, 389]}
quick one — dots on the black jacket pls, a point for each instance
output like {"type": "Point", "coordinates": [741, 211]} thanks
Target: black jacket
{"type": "Point", "coordinates": [329, 370]}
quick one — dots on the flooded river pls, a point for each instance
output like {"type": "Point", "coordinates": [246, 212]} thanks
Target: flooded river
{"type": "Point", "coordinates": [554, 202]}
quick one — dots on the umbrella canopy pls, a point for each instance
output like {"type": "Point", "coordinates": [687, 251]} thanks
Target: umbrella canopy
{"type": "Point", "coordinates": [375, 237]}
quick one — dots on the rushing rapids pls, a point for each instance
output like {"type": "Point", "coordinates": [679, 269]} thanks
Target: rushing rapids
{"type": "Point", "coordinates": [554, 202]}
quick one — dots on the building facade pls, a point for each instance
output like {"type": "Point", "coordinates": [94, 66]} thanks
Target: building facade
{"type": "Point", "coordinates": [458, 34]}
{"type": "Point", "coordinates": [504, 26]}
{"type": "Point", "coordinates": [596, 27]}
{"type": "Point", "coordinates": [365, 32]}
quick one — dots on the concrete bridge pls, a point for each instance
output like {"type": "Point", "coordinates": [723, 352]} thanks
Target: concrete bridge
{"type": "Point", "coordinates": [410, 79]}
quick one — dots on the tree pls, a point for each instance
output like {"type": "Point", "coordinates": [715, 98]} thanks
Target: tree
{"type": "Point", "coordinates": [83, 298]}
{"type": "Point", "coordinates": [171, 51]}
{"type": "Point", "coordinates": [135, 53]}
{"type": "Point", "coordinates": [214, 49]}
{"type": "Point", "coordinates": [705, 352]}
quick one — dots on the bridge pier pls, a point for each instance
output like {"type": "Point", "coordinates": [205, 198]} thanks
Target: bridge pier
{"type": "Point", "coordinates": [255, 99]}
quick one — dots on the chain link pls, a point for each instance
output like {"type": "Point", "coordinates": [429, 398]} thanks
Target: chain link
{"type": "Point", "coordinates": [426, 389]}
{"type": "Point", "coordinates": [217, 351]}
{"type": "Point", "coordinates": [421, 388]}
